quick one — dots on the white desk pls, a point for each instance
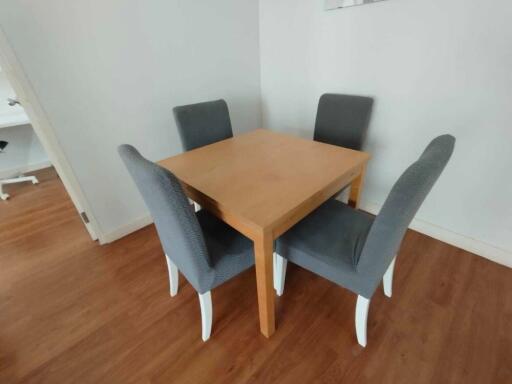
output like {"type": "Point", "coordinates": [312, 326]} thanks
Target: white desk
{"type": "Point", "coordinates": [13, 119]}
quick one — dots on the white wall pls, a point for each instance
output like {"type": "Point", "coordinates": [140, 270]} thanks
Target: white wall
{"type": "Point", "coordinates": [433, 66]}
{"type": "Point", "coordinates": [5, 92]}
{"type": "Point", "coordinates": [110, 72]}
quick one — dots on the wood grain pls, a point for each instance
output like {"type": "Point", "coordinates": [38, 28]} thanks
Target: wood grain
{"type": "Point", "coordinates": [263, 179]}
{"type": "Point", "coordinates": [356, 189]}
{"type": "Point", "coordinates": [72, 311]}
{"type": "Point", "coordinates": [263, 182]}
{"type": "Point", "coordinates": [263, 252]}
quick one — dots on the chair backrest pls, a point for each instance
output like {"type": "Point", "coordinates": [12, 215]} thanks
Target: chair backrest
{"type": "Point", "coordinates": [401, 205]}
{"type": "Point", "coordinates": [203, 123]}
{"type": "Point", "coordinates": [343, 120]}
{"type": "Point", "coordinates": [176, 223]}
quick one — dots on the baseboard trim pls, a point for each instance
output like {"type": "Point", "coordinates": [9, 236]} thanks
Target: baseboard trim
{"type": "Point", "coordinates": [13, 172]}
{"type": "Point", "coordinates": [480, 248]}
{"type": "Point", "coordinates": [125, 230]}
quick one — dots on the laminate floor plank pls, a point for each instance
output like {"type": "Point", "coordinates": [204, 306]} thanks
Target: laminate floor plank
{"type": "Point", "coordinates": [72, 311]}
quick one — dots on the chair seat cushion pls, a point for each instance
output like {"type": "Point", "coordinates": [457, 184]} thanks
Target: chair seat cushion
{"type": "Point", "coordinates": [230, 252]}
{"type": "Point", "coordinates": [329, 242]}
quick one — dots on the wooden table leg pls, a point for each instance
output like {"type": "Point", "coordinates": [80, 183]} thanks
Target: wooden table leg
{"type": "Point", "coordinates": [263, 251]}
{"type": "Point", "coordinates": [356, 190]}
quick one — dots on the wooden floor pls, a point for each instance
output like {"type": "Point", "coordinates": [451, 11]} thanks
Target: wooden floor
{"type": "Point", "coordinates": [72, 311]}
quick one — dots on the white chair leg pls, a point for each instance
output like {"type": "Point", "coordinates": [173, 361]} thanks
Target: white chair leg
{"type": "Point", "coordinates": [205, 301]}
{"type": "Point", "coordinates": [274, 268]}
{"type": "Point", "coordinates": [173, 276]}
{"type": "Point", "coordinates": [362, 306]}
{"type": "Point", "coordinates": [3, 196]}
{"type": "Point", "coordinates": [279, 273]}
{"type": "Point", "coordinates": [197, 207]}
{"type": "Point", "coordinates": [387, 280]}
{"type": "Point", "coordinates": [20, 179]}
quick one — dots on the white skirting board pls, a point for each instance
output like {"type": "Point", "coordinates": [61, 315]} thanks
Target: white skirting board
{"type": "Point", "coordinates": [469, 244]}
{"type": "Point", "coordinates": [13, 172]}
{"type": "Point", "coordinates": [125, 230]}
{"type": "Point", "coordinates": [480, 248]}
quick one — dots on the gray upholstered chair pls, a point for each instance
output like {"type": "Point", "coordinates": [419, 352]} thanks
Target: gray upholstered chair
{"type": "Point", "coordinates": [203, 123]}
{"type": "Point", "coordinates": [343, 120]}
{"type": "Point", "coordinates": [207, 251]}
{"type": "Point", "coordinates": [355, 250]}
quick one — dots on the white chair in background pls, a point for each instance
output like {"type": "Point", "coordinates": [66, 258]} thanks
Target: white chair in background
{"type": "Point", "coordinates": [19, 179]}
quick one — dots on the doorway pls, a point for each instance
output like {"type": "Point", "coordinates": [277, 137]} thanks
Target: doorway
{"type": "Point", "coordinates": [23, 120]}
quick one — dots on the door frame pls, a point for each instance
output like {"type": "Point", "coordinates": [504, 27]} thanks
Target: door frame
{"type": "Point", "coordinates": [46, 134]}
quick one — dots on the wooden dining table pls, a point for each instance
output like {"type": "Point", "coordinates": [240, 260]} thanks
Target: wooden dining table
{"type": "Point", "coordinates": [262, 183]}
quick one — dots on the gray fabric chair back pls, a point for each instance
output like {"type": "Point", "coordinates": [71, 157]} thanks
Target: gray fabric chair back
{"type": "Point", "coordinates": [203, 123]}
{"type": "Point", "coordinates": [175, 220]}
{"type": "Point", "coordinates": [401, 205]}
{"type": "Point", "coordinates": [343, 120]}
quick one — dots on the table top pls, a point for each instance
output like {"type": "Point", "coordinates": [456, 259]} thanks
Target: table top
{"type": "Point", "coordinates": [264, 180]}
